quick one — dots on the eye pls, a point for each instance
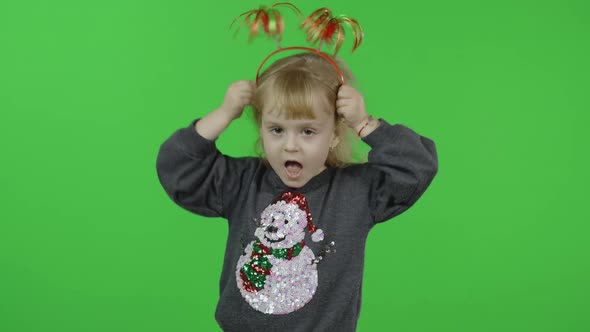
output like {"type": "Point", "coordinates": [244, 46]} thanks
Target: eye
{"type": "Point", "coordinates": [276, 130]}
{"type": "Point", "coordinates": [308, 132]}
{"type": "Point", "coordinates": [286, 221]}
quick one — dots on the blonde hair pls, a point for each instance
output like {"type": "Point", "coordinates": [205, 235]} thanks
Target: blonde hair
{"type": "Point", "coordinates": [291, 83]}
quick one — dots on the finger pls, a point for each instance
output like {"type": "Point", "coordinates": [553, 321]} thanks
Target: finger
{"type": "Point", "coordinates": [345, 95]}
{"type": "Point", "coordinates": [249, 88]}
{"type": "Point", "coordinates": [341, 113]}
{"type": "Point", "coordinates": [250, 83]}
{"type": "Point", "coordinates": [244, 87]}
{"type": "Point", "coordinates": [343, 86]}
{"type": "Point", "coordinates": [246, 96]}
{"type": "Point", "coordinates": [345, 89]}
{"type": "Point", "coordinates": [342, 102]}
{"type": "Point", "coordinates": [243, 84]}
{"type": "Point", "coordinates": [243, 101]}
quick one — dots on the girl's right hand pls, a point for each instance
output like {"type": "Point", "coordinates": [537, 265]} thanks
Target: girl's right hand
{"type": "Point", "coordinates": [238, 95]}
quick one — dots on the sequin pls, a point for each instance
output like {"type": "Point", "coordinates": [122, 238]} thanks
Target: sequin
{"type": "Point", "coordinates": [277, 274]}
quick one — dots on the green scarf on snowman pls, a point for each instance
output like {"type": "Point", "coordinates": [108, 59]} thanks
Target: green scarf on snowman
{"type": "Point", "coordinates": [254, 273]}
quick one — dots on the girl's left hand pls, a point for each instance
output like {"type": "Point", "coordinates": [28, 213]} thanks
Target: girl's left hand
{"type": "Point", "coordinates": [350, 105]}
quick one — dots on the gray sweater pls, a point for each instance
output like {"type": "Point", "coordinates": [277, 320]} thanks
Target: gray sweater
{"type": "Point", "coordinates": [304, 285]}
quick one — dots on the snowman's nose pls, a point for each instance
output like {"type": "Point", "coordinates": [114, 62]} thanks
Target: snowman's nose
{"type": "Point", "coordinates": [271, 229]}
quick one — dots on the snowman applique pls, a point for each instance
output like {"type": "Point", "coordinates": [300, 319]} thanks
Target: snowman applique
{"type": "Point", "coordinates": [277, 274]}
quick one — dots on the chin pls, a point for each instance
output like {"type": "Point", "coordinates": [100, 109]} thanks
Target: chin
{"type": "Point", "coordinates": [294, 184]}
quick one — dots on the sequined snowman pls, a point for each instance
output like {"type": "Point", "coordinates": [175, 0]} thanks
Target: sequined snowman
{"type": "Point", "coordinates": [277, 274]}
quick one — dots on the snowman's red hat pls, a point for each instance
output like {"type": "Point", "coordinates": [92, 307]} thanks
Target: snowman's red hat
{"type": "Point", "coordinates": [290, 197]}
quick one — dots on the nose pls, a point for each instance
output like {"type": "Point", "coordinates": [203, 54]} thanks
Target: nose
{"type": "Point", "coordinates": [272, 229]}
{"type": "Point", "coordinates": [291, 144]}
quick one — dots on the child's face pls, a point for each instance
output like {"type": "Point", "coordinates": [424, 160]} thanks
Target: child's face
{"type": "Point", "coordinates": [297, 149]}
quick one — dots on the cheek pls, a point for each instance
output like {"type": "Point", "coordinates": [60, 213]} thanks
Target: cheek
{"type": "Point", "coordinates": [270, 146]}
{"type": "Point", "coordinates": [320, 148]}
{"type": "Point", "coordinates": [268, 151]}
{"type": "Point", "coordinates": [265, 139]}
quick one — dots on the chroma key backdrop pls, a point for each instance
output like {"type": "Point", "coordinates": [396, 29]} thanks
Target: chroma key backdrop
{"type": "Point", "coordinates": [89, 90]}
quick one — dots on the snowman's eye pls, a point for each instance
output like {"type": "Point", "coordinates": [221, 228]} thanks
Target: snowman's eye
{"type": "Point", "coordinates": [286, 221]}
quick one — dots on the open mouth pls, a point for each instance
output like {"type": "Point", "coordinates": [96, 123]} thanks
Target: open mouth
{"type": "Point", "coordinates": [293, 169]}
{"type": "Point", "coordinates": [274, 241]}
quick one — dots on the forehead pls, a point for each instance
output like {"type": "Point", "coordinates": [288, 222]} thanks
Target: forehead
{"type": "Point", "coordinates": [316, 112]}
{"type": "Point", "coordinates": [278, 116]}
{"type": "Point", "coordinates": [308, 103]}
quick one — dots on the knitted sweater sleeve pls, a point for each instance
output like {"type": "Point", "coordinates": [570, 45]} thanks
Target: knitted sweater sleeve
{"type": "Point", "coordinates": [197, 176]}
{"type": "Point", "coordinates": [401, 165]}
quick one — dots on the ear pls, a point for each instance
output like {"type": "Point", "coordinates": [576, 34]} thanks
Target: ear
{"type": "Point", "coordinates": [335, 141]}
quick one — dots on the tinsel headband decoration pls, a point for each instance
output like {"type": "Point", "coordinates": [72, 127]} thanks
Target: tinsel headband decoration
{"type": "Point", "coordinates": [321, 28]}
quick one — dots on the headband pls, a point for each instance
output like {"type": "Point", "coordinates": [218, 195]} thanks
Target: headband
{"type": "Point", "coordinates": [321, 28]}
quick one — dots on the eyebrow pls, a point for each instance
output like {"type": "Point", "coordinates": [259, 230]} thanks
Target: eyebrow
{"type": "Point", "coordinates": [303, 124]}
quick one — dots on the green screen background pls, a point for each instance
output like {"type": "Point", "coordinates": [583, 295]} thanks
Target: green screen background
{"type": "Point", "coordinates": [89, 240]}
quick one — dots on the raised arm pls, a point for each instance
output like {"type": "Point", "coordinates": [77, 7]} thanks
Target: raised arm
{"type": "Point", "coordinates": [238, 95]}
{"type": "Point", "coordinates": [402, 164]}
{"type": "Point", "coordinates": [194, 174]}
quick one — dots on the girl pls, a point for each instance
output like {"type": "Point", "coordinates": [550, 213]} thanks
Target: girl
{"type": "Point", "coordinates": [298, 215]}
